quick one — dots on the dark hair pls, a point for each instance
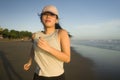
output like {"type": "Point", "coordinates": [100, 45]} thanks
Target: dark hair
{"type": "Point", "coordinates": [57, 26]}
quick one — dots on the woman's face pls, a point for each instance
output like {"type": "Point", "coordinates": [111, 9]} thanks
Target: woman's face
{"type": "Point", "coordinates": [49, 19]}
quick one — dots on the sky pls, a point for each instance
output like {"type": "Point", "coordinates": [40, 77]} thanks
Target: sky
{"type": "Point", "coordinates": [84, 19]}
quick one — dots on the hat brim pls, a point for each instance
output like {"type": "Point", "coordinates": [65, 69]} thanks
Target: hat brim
{"type": "Point", "coordinates": [48, 12]}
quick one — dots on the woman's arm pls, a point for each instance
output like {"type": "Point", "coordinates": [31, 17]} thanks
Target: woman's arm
{"type": "Point", "coordinates": [64, 54]}
{"type": "Point", "coordinates": [31, 56]}
{"type": "Point", "coordinates": [28, 64]}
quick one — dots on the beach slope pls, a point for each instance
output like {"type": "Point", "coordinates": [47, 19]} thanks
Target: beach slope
{"type": "Point", "coordinates": [13, 55]}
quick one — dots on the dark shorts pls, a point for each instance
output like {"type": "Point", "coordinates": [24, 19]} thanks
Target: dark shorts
{"type": "Point", "coordinates": [36, 77]}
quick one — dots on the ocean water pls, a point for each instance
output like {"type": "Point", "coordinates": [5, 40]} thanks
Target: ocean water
{"type": "Point", "coordinates": [106, 59]}
{"type": "Point", "coordinates": [105, 44]}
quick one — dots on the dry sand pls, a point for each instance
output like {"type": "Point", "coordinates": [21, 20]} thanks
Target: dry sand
{"type": "Point", "coordinates": [14, 54]}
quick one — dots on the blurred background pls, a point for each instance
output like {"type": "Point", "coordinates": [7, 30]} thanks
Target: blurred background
{"type": "Point", "coordinates": [93, 24]}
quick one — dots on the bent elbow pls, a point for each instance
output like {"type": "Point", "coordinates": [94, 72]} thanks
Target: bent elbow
{"type": "Point", "coordinates": [67, 61]}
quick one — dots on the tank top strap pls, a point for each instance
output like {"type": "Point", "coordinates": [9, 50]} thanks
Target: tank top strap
{"type": "Point", "coordinates": [56, 32]}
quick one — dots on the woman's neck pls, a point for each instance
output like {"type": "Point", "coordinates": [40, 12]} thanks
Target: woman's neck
{"type": "Point", "coordinates": [49, 30]}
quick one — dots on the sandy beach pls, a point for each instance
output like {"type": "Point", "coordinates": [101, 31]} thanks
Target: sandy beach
{"type": "Point", "coordinates": [14, 54]}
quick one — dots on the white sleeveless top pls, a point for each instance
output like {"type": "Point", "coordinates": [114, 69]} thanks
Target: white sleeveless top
{"type": "Point", "coordinates": [47, 64]}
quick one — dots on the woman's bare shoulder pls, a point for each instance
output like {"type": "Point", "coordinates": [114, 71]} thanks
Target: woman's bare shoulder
{"type": "Point", "coordinates": [63, 32]}
{"type": "Point", "coordinates": [33, 35]}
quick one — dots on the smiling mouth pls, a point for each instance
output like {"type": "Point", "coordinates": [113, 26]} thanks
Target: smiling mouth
{"type": "Point", "coordinates": [47, 21]}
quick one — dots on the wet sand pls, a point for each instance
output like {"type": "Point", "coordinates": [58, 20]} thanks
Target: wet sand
{"type": "Point", "coordinates": [14, 54]}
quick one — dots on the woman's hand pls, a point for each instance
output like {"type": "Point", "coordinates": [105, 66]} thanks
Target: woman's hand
{"type": "Point", "coordinates": [42, 43]}
{"type": "Point", "coordinates": [27, 66]}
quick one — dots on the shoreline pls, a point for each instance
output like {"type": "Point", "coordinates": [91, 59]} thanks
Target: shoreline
{"type": "Point", "coordinates": [80, 68]}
